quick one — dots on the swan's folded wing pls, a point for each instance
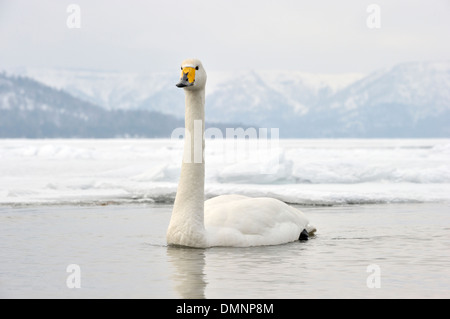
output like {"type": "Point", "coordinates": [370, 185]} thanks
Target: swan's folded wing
{"type": "Point", "coordinates": [248, 221]}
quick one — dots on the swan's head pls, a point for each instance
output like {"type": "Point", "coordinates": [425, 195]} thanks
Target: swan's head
{"type": "Point", "coordinates": [193, 75]}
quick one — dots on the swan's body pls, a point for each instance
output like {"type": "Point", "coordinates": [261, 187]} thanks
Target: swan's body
{"type": "Point", "coordinates": [227, 220]}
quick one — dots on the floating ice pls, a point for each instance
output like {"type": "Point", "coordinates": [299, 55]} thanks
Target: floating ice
{"type": "Point", "coordinates": [310, 172]}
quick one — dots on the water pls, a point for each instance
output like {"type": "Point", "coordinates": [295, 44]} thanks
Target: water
{"type": "Point", "coordinates": [122, 253]}
{"type": "Point", "coordinates": [104, 205]}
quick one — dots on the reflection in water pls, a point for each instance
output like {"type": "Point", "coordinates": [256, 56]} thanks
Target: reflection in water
{"type": "Point", "coordinates": [188, 276]}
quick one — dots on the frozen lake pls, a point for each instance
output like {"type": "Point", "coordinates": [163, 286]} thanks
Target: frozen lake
{"type": "Point", "coordinates": [104, 205]}
{"type": "Point", "coordinates": [307, 172]}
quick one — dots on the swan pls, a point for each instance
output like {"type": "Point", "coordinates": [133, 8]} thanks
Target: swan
{"type": "Point", "coordinates": [226, 220]}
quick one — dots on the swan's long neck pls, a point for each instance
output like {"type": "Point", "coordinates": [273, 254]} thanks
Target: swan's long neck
{"type": "Point", "coordinates": [187, 222]}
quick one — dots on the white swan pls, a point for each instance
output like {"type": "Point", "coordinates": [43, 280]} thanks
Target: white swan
{"type": "Point", "coordinates": [227, 220]}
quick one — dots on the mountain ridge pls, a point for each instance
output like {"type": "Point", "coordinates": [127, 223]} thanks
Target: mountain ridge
{"type": "Point", "coordinates": [406, 100]}
{"type": "Point", "coordinates": [30, 109]}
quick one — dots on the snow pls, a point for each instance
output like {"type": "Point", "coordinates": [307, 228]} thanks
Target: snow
{"type": "Point", "coordinates": [312, 172]}
{"type": "Point", "coordinates": [413, 84]}
{"type": "Point", "coordinates": [4, 104]}
{"type": "Point", "coordinates": [313, 81]}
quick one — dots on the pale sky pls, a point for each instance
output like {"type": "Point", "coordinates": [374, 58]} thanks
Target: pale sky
{"type": "Point", "coordinates": [323, 36]}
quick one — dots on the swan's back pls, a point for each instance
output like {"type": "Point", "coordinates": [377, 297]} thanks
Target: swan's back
{"type": "Point", "coordinates": [236, 220]}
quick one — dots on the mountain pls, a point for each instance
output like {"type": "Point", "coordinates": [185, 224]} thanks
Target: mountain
{"type": "Point", "coordinates": [30, 109]}
{"type": "Point", "coordinates": [157, 91]}
{"type": "Point", "coordinates": [406, 100]}
{"type": "Point", "coordinates": [111, 90]}
{"type": "Point", "coordinates": [274, 98]}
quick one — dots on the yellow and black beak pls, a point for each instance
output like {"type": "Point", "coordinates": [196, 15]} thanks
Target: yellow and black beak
{"type": "Point", "coordinates": [187, 77]}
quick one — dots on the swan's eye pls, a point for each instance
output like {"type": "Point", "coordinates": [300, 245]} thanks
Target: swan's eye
{"type": "Point", "coordinates": [196, 67]}
{"type": "Point", "coordinates": [181, 68]}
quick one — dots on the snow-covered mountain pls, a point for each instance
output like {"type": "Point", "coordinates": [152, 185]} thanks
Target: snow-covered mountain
{"type": "Point", "coordinates": [110, 90]}
{"type": "Point", "coordinates": [407, 100]}
{"type": "Point", "coordinates": [30, 109]}
{"type": "Point", "coordinates": [157, 91]}
{"type": "Point", "coordinates": [412, 84]}
{"type": "Point", "coordinates": [410, 99]}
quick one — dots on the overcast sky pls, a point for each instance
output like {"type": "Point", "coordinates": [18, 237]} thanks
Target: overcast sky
{"type": "Point", "coordinates": [324, 36]}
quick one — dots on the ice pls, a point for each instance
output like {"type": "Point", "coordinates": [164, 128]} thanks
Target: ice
{"type": "Point", "coordinates": [309, 172]}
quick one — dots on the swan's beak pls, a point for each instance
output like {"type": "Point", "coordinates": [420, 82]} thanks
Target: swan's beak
{"type": "Point", "coordinates": [187, 77]}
